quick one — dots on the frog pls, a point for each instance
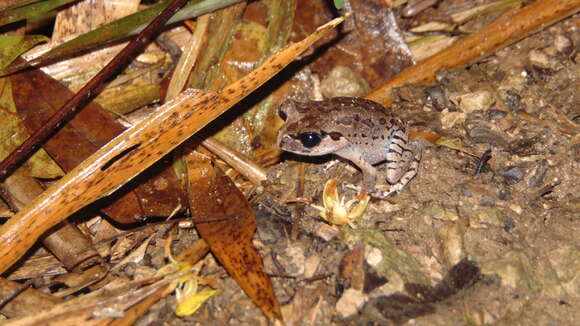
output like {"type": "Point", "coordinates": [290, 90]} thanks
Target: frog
{"type": "Point", "coordinates": [359, 130]}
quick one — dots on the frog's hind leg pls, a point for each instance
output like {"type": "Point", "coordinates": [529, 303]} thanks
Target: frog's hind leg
{"type": "Point", "coordinates": [402, 165]}
{"type": "Point", "coordinates": [411, 172]}
{"type": "Point", "coordinates": [401, 168]}
{"type": "Point", "coordinates": [399, 156]}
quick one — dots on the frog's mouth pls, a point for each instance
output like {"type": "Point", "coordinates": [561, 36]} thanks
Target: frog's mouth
{"type": "Point", "coordinates": [292, 143]}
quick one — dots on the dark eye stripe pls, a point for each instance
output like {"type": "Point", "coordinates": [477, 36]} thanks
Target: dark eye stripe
{"type": "Point", "coordinates": [334, 135]}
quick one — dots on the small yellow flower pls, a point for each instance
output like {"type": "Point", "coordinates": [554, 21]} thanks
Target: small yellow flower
{"type": "Point", "coordinates": [189, 299]}
{"type": "Point", "coordinates": [336, 211]}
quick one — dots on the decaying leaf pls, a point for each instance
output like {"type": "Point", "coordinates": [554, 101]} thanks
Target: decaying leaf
{"type": "Point", "coordinates": [38, 97]}
{"type": "Point", "coordinates": [230, 240]}
{"type": "Point", "coordinates": [14, 131]}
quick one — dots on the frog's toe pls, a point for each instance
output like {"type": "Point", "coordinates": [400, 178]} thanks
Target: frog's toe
{"type": "Point", "coordinates": [353, 187]}
{"type": "Point", "coordinates": [382, 194]}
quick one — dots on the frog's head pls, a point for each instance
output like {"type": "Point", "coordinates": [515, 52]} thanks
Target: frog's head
{"type": "Point", "coordinates": [307, 131]}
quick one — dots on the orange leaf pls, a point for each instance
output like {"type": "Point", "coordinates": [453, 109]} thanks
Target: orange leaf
{"type": "Point", "coordinates": [230, 239]}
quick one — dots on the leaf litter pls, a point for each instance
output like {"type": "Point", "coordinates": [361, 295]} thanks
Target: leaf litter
{"type": "Point", "coordinates": [455, 247]}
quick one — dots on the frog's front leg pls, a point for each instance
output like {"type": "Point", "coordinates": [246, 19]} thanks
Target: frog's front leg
{"type": "Point", "coordinates": [369, 172]}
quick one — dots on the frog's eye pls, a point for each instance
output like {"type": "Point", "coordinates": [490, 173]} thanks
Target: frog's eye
{"type": "Point", "coordinates": [309, 139]}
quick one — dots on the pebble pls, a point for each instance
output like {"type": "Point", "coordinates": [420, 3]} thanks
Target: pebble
{"type": "Point", "coordinates": [436, 97]}
{"type": "Point", "coordinates": [350, 303]}
{"type": "Point", "coordinates": [539, 59]}
{"type": "Point", "coordinates": [343, 81]}
{"type": "Point", "coordinates": [473, 101]}
{"type": "Point", "coordinates": [512, 174]}
{"type": "Point", "coordinates": [562, 43]}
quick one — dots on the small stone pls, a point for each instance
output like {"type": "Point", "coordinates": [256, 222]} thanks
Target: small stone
{"type": "Point", "coordinates": [515, 80]}
{"type": "Point", "coordinates": [516, 208]}
{"type": "Point", "coordinates": [350, 303]}
{"type": "Point", "coordinates": [505, 194]}
{"type": "Point", "coordinates": [562, 43]}
{"type": "Point", "coordinates": [509, 224]}
{"type": "Point", "coordinates": [483, 135]}
{"type": "Point", "coordinates": [450, 119]}
{"type": "Point", "coordinates": [514, 100]}
{"type": "Point", "coordinates": [343, 81]}
{"type": "Point", "coordinates": [512, 174]}
{"type": "Point", "coordinates": [436, 97]}
{"type": "Point", "coordinates": [540, 59]}
{"type": "Point", "coordinates": [293, 260]}
{"type": "Point", "coordinates": [474, 101]}
{"type": "Point", "coordinates": [374, 256]}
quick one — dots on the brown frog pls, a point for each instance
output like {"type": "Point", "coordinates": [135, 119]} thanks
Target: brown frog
{"type": "Point", "coordinates": [359, 130]}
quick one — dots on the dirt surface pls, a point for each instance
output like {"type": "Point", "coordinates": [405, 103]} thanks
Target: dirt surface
{"type": "Point", "coordinates": [487, 233]}
{"type": "Point", "coordinates": [514, 223]}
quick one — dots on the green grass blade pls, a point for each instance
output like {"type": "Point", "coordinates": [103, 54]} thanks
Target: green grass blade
{"type": "Point", "coordinates": [31, 11]}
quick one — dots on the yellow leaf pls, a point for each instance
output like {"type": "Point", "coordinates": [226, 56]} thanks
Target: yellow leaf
{"type": "Point", "coordinates": [190, 304]}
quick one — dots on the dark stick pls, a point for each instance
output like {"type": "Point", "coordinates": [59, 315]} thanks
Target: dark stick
{"type": "Point", "coordinates": [486, 156]}
{"type": "Point", "coordinates": [69, 109]}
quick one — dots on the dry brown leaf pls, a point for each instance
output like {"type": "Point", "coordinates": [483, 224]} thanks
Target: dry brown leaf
{"type": "Point", "coordinates": [27, 302]}
{"type": "Point", "coordinates": [230, 239]}
{"type": "Point", "coordinates": [38, 96]}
